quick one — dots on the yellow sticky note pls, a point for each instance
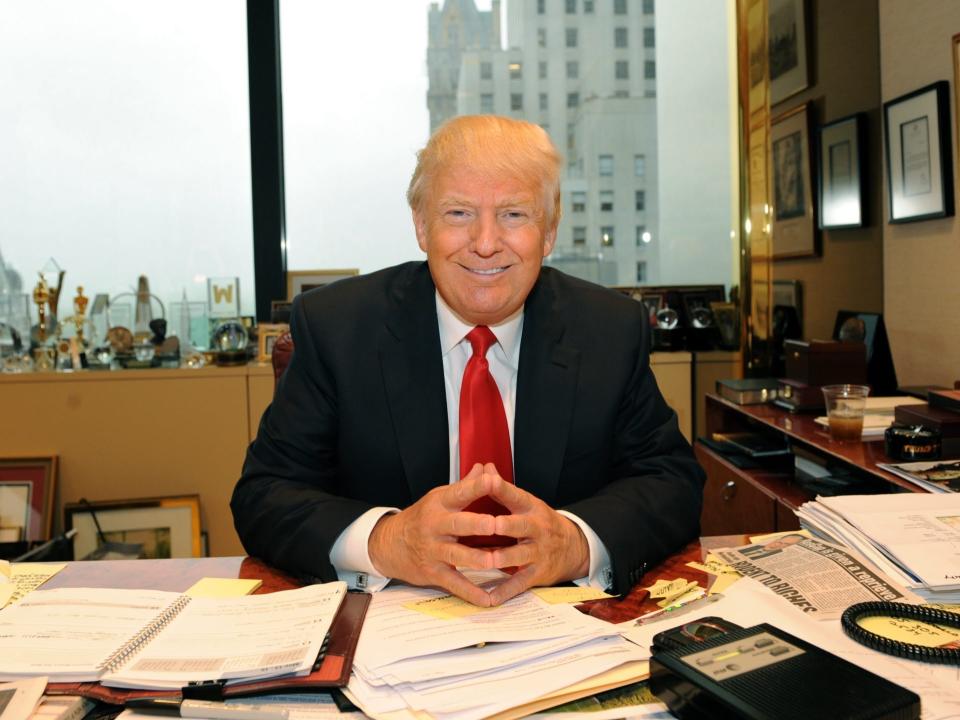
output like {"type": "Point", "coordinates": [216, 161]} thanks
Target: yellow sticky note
{"type": "Point", "coordinates": [223, 587]}
{"type": "Point", "coordinates": [558, 595]}
{"type": "Point", "coordinates": [668, 588]}
{"type": "Point", "coordinates": [726, 575]}
{"type": "Point", "coordinates": [445, 607]}
{"type": "Point", "coordinates": [682, 596]}
{"type": "Point", "coordinates": [911, 631]}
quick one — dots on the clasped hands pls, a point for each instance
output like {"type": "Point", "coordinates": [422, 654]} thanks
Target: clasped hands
{"type": "Point", "coordinates": [420, 545]}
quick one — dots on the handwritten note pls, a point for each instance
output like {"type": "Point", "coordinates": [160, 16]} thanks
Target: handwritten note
{"type": "Point", "coordinates": [6, 586]}
{"type": "Point", "coordinates": [668, 588]}
{"type": "Point", "coordinates": [725, 575]}
{"type": "Point", "coordinates": [445, 607]}
{"type": "Point", "coordinates": [557, 595]}
{"type": "Point", "coordinates": [27, 577]}
{"type": "Point", "coordinates": [690, 592]}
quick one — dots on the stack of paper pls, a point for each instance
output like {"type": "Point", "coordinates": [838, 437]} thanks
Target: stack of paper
{"type": "Point", "coordinates": [912, 537]}
{"type": "Point", "coordinates": [422, 651]}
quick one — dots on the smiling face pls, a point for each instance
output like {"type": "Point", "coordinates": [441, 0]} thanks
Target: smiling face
{"type": "Point", "coordinates": [485, 239]}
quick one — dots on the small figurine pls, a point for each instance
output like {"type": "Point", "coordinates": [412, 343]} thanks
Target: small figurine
{"type": "Point", "coordinates": [79, 312]}
{"type": "Point", "coordinates": [41, 296]}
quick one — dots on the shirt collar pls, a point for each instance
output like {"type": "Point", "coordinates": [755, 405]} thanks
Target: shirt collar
{"type": "Point", "coordinates": [453, 330]}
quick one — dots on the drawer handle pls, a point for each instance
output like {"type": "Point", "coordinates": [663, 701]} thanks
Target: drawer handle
{"type": "Point", "coordinates": [729, 490]}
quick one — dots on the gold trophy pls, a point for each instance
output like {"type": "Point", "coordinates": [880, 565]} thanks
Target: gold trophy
{"type": "Point", "coordinates": [80, 313]}
{"type": "Point", "coordinates": [41, 296]}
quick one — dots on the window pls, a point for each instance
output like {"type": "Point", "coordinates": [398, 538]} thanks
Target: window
{"type": "Point", "coordinates": [579, 236]}
{"type": "Point", "coordinates": [516, 71]}
{"type": "Point", "coordinates": [641, 199]}
{"type": "Point", "coordinates": [542, 70]}
{"type": "Point", "coordinates": [573, 100]}
{"type": "Point", "coordinates": [648, 7]}
{"type": "Point", "coordinates": [641, 271]}
{"type": "Point", "coordinates": [605, 165]}
{"type": "Point", "coordinates": [606, 200]}
{"type": "Point", "coordinates": [640, 165]}
{"type": "Point", "coordinates": [571, 37]}
{"type": "Point", "coordinates": [643, 237]}
{"type": "Point", "coordinates": [621, 70]}
{"type": "Point", "coordinates": [650, 69]}
{"type": "Point", "coordinates": [541, 37]}
{"type": "Point", "coordinates": [578, 201]}
{"type": "Point", "coordinates": [606, 235]}
{"type": "Point", "coordinates": [486, 103]}
{"type": "Point", "coordinates": [649, 37]}
{"type": "Point", "coordinates": [588, 7]}
{"type": "Point", "coordinates": [573, 69]}
{"type": "Point", "coordinates": [571, 6]}
{"type": "Point", "coordinates": [571, 139]}
{"type": "Point", "coordinates": [541, 7]}
{"type": "Point", "coordinates": [619, 7]}
{"type": "Point", "coordinates": [486, 71]}
{"type": "Point", "coordinates": [620, 37]}
{"type": "Point", "coordinates": [516, 101]}
{"type": "Point", "coordinates": [543, 101]}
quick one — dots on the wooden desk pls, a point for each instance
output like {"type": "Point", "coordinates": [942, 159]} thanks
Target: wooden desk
{"type": "Point", "coordinates": [738, 500]}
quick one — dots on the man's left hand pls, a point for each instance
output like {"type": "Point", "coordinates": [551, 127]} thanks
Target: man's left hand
{"type": "Point", "coordinates": [550, 547]}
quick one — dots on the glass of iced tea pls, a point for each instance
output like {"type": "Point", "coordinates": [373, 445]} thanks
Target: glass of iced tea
{"type": "Point", "coordinates": [845, 406]}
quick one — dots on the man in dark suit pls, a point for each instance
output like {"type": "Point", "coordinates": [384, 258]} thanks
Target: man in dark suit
{"type": "Point", "coordinates": [355, 472]}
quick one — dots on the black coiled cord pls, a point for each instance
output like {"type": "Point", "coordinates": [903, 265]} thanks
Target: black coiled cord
{"type": "Point", "coordinates": [911, 651]}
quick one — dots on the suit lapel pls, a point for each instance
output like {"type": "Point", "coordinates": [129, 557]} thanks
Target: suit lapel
{"type": "Point", "coordinates": [413, 379]}
{"type": "Point", "coordinates": [546, 388]}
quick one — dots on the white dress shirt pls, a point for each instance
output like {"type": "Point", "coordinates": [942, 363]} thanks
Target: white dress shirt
{"type": "Point", "coordinates": [350, 556]}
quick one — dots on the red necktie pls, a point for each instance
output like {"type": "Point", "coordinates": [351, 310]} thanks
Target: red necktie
{"type": "Point", "coordinates": [484, 435]}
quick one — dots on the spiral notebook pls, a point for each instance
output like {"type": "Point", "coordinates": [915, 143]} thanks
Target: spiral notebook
{"type": "Point", "coordinates": [152, 639]}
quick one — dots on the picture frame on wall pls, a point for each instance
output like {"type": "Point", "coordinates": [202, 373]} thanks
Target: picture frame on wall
{"type": "Point", "coordinates": [841, 176]}
{"type": "Point", "coordinates": [165, 526]}
{"type": "Point", "coordinates": [794, 226]}
{"type": "Point", "coordinates": [919, 156]}
{"type": "Point", "coordinates": [27, 488]}
{"type": "Point", "coordinates": [787, 48]}
{"type": "Point", "coordinates": [299, 281]}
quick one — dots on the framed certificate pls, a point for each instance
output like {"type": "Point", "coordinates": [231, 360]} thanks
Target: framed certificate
{"type": "Point", "coordinates": [919, 162]}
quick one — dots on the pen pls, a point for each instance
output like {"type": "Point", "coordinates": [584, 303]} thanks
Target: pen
{"type": "Point", "coordinates": [206, 709]}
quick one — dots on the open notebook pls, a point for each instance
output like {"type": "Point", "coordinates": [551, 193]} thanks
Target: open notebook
{"type": "Point", "coordinates": [161, 640]}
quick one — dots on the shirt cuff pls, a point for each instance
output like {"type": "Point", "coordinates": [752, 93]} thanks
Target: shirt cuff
{"type": "Point", "coordinates": [350, 554]}
{"type": "Point", "coordinates": [600, 573]}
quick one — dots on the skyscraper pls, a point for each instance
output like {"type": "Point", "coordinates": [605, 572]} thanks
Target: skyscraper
{"type": "Point", "coordinates": [585, 70]}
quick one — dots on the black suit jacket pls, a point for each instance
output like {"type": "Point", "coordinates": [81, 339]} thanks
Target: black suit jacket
{"type": "Point", "coordinates": [360, 419]}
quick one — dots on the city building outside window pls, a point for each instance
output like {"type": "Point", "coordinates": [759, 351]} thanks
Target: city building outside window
{"type": "Point", "coordinates": [486, 71]}
{"type": "Point", "coordinates": [543, 101]}
{"type": "Point", "coordinates": [573, 69]}
{"type": "Point", "coordinates": [622, 70]}
{"type": "Point", "coordinates": [573, 100]}
{"type": "Point", "coordinates": [606, 200]}
{"type": "Point", "coordinates": [643, 237]}
{"type": "Point", "coordinates": [605, 165]}
{"type": "Point", "coordinates": [542, 37]}
{"type": "Point", "coordinates": [579, 235]}
{"type": "Point", "coordinates": [571, 7]}
{"type": "Point", "coordinates": [620, 37]}
{"type": "Point", "coordinates": [588, 7]}
{"type": "Point", "coordinates": [650, 69]}
{"type": "Point", "coordinates": [640, 165]}
{"type": "Point", "coordinates": [516, 71]}
{"type": "Point", "coordinates": [619, 7]}
{"type": "Point", "coordinates": [578, 201]}
{"type": "Point", "coordinates": [648, 7]}
{"type": "Point", "coordinates": [486, 103]}
{"type": "Point", "coordinates": [641, 200]}
{"type": "Point", "coordinates": [541, 7]}
{"type": "Point", "coordinates": [542, 70]}
{"type": "Point", "coordinates": [649, 37]}
{"type": "Point", "coordinates": [571, 36]}
{"type": "Point", "coordinates": [516, 101]}
{"type": "Point", "coordinates": [606, 235]}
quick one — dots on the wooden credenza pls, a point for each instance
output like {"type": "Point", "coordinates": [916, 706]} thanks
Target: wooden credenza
{"type": "Point", "coordinates": [762, 499]}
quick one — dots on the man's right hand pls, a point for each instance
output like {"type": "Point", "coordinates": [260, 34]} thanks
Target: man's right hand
{"type": "Point", "coordinates": [420, 545]}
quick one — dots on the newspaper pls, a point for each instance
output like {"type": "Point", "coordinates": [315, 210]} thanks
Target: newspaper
{"type": "Point", "coordinates": [816, 577]}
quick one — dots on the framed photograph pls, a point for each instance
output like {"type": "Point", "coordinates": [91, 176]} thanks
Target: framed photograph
{"type": "Point", "coordinates": [794, 221]}
{"type": "Point", "coordinates": [919, 163]}
{"type": "Point", "coordinates": [223, 297]}
{"type": "Point", "coordinates": [280, 311]}
{"type": "Point", "coordinates": [728, 324]}
{"type": "Point", "coordinates": [787, 48]}
{"type": "Point", "coordinates": [842, 179]}
{"type": "Point", "coordinates": [652, 302]}
{"type": "Point", "coordinates": [789, 294]}
{"type": "Point", "coordinates": [267, 334]}
{"type": "Point", "coordinates": [167, 527]}
{"type": "Point", "coordinates": [27, 486]}
{"type": "Point", "coordinates": [299, 281]}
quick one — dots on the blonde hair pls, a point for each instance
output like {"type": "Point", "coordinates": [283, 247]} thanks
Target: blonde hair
{"type": "Point", "coordinates": [495, 145]}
